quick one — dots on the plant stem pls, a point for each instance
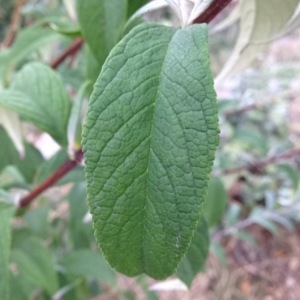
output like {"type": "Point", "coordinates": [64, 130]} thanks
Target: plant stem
{"type": "Point", "coordinates": [72, 49]}
{"type": "Point", "coordinates": [212, 11]}
{"type": "Point", "coordinates": [64, 169]}
{"type": "Point", "coordinates": [14, 24]}
{"type": "Point", "coordinates": [258, 166]}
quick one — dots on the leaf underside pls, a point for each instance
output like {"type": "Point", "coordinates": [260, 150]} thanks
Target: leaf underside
{"type": "Point", "coordinates": [149, 143]}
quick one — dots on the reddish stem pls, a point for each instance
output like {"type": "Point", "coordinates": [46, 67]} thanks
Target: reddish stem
{"type": "Point", "coordinates": [212, 11]}
{"type": "Point", "coordinates": [64, 169]}
{"type": "Point", "coordinates": [72, 49]}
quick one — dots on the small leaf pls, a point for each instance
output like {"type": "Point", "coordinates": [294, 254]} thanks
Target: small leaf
{"type": "Point", "coordinates": [280, 219]}
{"type": "Point", "coordinates": [11, 123]}
{"type": "Point", "coordinates": [253, 140]}
{"type": "Point", "coordinates": [80, 232]}
{"type": "Point", "coordinates": [149, 143]}
{"type": "Point", "coordinates": [104, 20]}
{"type": "Point", "coordinates": [86, 263]}
{"type": "Point", "coordinates": [27, 41]}
{"type": "Point", "coordinates": [291, 173]}
{"type": "Point", "coordinates": [195, 259]}
{"type": "Point", "coordinates": [39, 96]}
{"type": "Point", "coordinates": [6, 214]}
{"type": "Point", "coordinates": [258, 217]}
{"type": "Point", "coordinates": [34, 262]}
{"type": "Point", "coordinates": [215, 203]}
{"type": "Point", "coordinates": [67, 29]}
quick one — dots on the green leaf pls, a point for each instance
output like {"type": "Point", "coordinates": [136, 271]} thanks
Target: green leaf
{"type": "Point", "coordinates": [27, 41]}
{"type": "Point", "coordinates": [101, 24]}
{"type": "Point", "coordinates": [134, 5]}
{"type": "Point", "coordinates": [39, 96]}
{"type": "Point", "coordinates": [80, 232]}
{"type": "Point", "coordinates": [6, 214]}
{"type": "Point", "coordinates": [92, 67]}
{"type": "Point", "coordinates": [66, 28]}
{"type": "Point", "coordinates": [75, 120]}
{"type": "Point", "coordinates": [12, 124]}
{"type": "Point", "coordinates": [89, 264]}
{"type": "Point", "coordinates": [254, 140]}
{"type": "Point", "coordinates": [215, 203]}
{"type": "Point", "coordinates": [34, 262]}
{"type": "Point", "coordinates": [194, 261]}
{"type": "Point", "coordinates": [9, 156]}
{"type": "Point", "coordinates": [149, 142]}
{"type": "Point", "coordinates": [291, 173]}
{"type": "Point", "coordinates": [37, 220]}
{"type": "Point", "coordinates": [259, 217]}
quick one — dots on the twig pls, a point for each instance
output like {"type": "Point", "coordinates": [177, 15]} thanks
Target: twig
{"type": "Point", "coordinates": [64, 169]}
{"type": "Point", "coordinates": [258, 166]}
{"type": "Point", "coordinates": [244, 109]}
{"type": "Point", "coordinates": [212, 11]}
{"type": "Point", "coordinates": [71, 50]}
{"type": "Point", "coordinates": [14, 24]}
{"type": "Point", "coordinates": [233, 229]}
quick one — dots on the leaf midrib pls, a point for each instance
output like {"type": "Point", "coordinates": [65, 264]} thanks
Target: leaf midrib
{"type": "Point", "coordinates": [149, 155]}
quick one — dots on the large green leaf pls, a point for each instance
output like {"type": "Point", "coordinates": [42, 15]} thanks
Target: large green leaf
{"type": "Point", "coordinates": [101, 24]}
{"type": "Point", "coordinates": [149, 142]}
{"type": "Point", "coordinates": [194, 261]}
{"type": "Point", "coordinates": [215, 203]}
{"type": "Point", "coordinates": [6, 214]}
{"type": "Point", "coordinates": [39, 96]}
